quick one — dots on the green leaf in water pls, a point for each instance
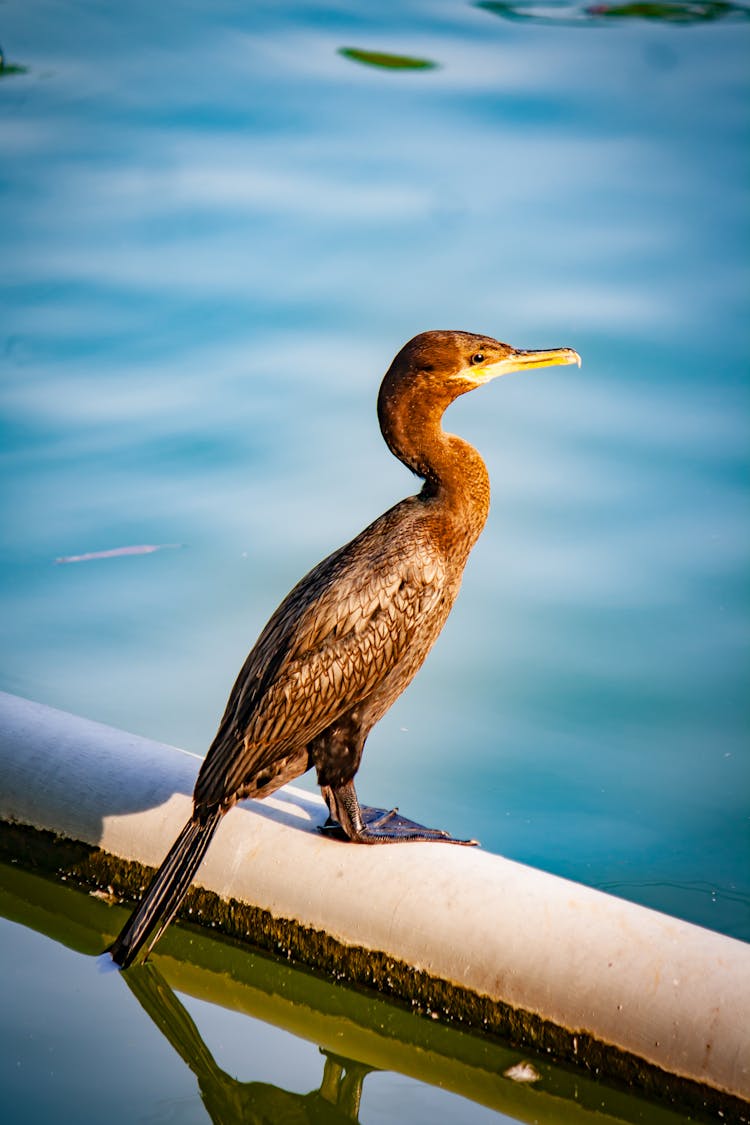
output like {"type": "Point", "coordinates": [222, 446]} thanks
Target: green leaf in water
{"type": "Point", "coordinates": [386, 61]}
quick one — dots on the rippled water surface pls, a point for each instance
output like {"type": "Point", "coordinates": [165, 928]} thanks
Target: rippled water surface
{"type": "Point", "coordinates": [219, 223]}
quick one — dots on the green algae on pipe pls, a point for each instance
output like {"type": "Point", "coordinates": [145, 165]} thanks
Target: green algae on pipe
{"type": "Point", "coordinates": [474, 938]}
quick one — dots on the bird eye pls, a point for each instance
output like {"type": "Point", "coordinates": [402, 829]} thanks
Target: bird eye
{"type": "Point", "coordinates": [478, 358]}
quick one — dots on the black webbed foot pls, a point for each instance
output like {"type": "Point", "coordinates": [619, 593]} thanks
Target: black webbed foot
{"type": "Point", "coordinates": [374, 819]}
{"type": "Point", "coordinates": [367, 825]}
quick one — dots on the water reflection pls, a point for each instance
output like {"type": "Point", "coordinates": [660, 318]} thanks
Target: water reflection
{"type": "Point", "coordinates": [679, 12]}
{"type": "Point", "coordinates": [227, 1099]}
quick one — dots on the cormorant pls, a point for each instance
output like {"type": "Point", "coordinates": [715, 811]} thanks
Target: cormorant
{"type": "Point", "coordinates": [351, 635]}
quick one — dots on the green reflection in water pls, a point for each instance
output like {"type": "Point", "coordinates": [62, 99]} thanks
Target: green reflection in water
{"type": "Point", "coordinates": [229, 1100]}
{"type": "Point", "coordinates": [357, 1033]}
{"type": "Point", "coordinates": [386, 61]}
{"type": "Point", "coordinates": [680, 12]}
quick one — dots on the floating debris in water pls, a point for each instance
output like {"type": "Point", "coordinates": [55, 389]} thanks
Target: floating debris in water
{"type": "Point", "coordinates": [682, 11]}
{"type": "Point", "coordinates": [665, 11]}
{"type": "Point", "coordinates": [116, 552]}
{"type": "Point", "coordinates": [522, 1072]}
{"type": "Point", "coordinates": [7, 68]}
{"type": "Point", "coordinates": [386, 61]}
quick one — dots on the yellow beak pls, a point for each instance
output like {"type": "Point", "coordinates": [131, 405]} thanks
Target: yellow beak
{"type": "Point", "coordinates": [521, 361]}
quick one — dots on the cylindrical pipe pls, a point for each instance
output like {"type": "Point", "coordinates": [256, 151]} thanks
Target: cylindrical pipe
{"type": "Point", "coordinates": [666, 992]}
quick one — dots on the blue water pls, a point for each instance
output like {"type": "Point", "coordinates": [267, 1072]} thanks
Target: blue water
{"type": "Point", "coordinates": [216, 232]}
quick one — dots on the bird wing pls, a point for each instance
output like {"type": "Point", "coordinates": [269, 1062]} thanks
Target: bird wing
{"type": "Point", "coordinates": [334, 639]}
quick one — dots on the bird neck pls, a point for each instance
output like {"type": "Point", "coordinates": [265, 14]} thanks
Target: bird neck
{"type": "Point", "coordinates": [455, 477]}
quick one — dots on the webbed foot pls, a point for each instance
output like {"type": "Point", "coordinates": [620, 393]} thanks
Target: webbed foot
{"type": "Point", "coordinates": [367, 825]}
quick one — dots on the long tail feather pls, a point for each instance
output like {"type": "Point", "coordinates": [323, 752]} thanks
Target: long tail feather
{"type": "Point", "coordinates": [166, 890]}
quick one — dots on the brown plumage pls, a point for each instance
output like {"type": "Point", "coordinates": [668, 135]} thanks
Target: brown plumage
{"type": "Point", "coordinates": [351, 635]}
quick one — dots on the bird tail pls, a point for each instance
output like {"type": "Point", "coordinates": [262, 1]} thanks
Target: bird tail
{"type": "Point", "coordinates": [167, 889]}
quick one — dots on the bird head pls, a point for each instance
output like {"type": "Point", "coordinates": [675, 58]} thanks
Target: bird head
{"type": "Point", "coordinates": [461, 361]}
{"type": "Point", "coordinates": [436, 367]}
{"type": "Point", "coordinates": [431, 371]}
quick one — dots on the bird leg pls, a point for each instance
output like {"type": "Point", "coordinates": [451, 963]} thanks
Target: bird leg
{"type": "Point", "coordinates": [366, 825]}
